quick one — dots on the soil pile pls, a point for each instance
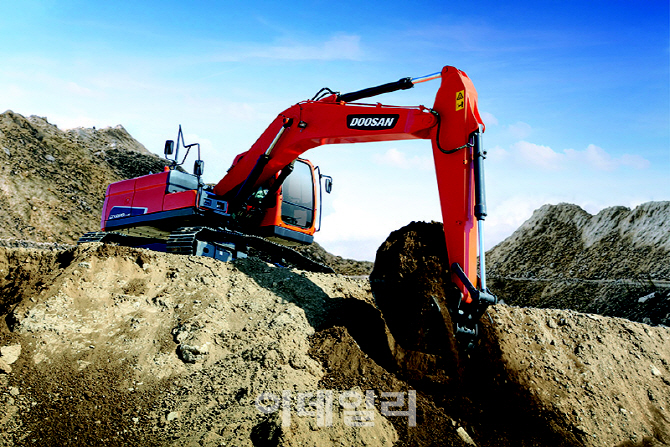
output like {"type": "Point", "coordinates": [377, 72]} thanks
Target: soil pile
{"type": "Point", "coordinates": [414, 292]}
{"type": "Point", "coordinates": [107, 345]}
{"type": "Point", "coordinates": [343, 266]}
{"type": "Point", "coordinates": [616, 263]}
{"type": "Point", "coordinates": [123, 346]}
{"type": "Point", "coordinates": [53, 182]}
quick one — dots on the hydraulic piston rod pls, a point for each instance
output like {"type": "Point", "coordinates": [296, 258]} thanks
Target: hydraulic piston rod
{"type": "Point", "coordinates": [429, 77]}
{"type": "Point", "coordinates": [401, 84]}
{"type": "Point", "coordinates": [478, 156]}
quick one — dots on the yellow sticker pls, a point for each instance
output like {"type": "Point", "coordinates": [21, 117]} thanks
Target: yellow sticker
{"type": "Point", "coordinates": [460, 100]}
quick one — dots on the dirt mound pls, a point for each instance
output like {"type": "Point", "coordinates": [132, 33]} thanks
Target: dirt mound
{"type": "Point", "coordinates": [108, 345]}
{"type": "Point", "coordinates": [339, 264]}
{"type": "Point", "coordinates": [616, 263]}
{"type": "Point", "coordinates": [121, 346]}
{"type": "Point", "coordinates": [408, 282]}
{"type": "Point", "coordinates": [53, 182]}
{"type": "Point", "coordinates": [594, 380]}
{"type": "Point", "coordinates": [531, 361]}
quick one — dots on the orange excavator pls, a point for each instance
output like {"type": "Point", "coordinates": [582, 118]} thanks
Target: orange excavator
{"type": "Point", "coordinates": [270, 198]}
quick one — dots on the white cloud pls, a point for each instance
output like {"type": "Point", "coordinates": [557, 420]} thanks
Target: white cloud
{"type": "Point", "coordinates": [368, 203]}
{"type": "Point", "coordinates": [78, 90]}
{"type": "Point", "coordinates": [397, 159]}
{"type": "Point", "coordinates": [497, 154]}
{"type": "Point", "coordinates": [337, 47]}
{"type": "Point", "coordinates": [519, 130]}
{"type": "Point", "coordinates": [598, 158]}
{"type": "Point", "coordinates": [593, 157]}
{"type": "Point", "coordinates": [538, 155]}
{"type": "Point", "coordinates": [489, 119]}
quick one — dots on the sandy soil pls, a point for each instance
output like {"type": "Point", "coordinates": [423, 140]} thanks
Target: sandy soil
{"type": "Point", "coordinates": [121, 346]}
{"type": "Point", "coordinates": [616, 263]}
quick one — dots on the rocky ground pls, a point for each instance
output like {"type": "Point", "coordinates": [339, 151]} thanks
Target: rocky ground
{"type": "Point", "coordinates": [53, 182]}
{"type": "Point", "coordinates": [616, 263]}
{"type": "Point", "coordinates": [107, 345]}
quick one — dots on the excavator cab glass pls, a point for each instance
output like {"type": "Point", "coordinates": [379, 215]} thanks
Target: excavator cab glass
{"type": "Point", "coordinates": [297, 206]}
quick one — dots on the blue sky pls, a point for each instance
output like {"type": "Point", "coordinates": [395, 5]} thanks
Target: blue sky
{"type": "Point", "coordinates": [575, 95]}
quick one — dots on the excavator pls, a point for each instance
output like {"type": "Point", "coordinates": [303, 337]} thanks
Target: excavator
{"type": "Point", "coordinates": [270, 198]}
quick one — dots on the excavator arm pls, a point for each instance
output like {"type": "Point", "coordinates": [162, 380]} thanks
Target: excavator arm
{"type": "Point", "coordinates": [454, 127]}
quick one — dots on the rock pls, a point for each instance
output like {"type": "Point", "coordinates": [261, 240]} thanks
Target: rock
{"type": "Point", "coordinates": [190, 353]}
{"type": "Point", "coordinates": [465, 436]}
{"type": "Point", "coordinates": [10, 354]}
{"type": "Point", "coordinates": [171, 416]}
{"type": "Point", "coordinates": [4, 367]}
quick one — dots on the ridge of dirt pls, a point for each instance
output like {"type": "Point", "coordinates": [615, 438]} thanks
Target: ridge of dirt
{"type": "Point", "coordinates": [53, 182]}
{"type": "Point", "coordinates": [616, 263]}
{"type": "Point", "coordinates": [561, 240]}
{"type": "Point", "coordinates": [142, 339]}
{"type": "Point", "coordinates": [343, 266]}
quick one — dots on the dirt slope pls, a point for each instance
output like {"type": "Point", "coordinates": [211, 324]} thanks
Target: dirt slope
{"type": "Point", "coordinates": [120, 345]}
{"type": "Point", "coordinates": [616, 263]}
{"type": "Point", "coordinates": [52, 182]}
{"type": "Point", "coordinates": [117, 346]}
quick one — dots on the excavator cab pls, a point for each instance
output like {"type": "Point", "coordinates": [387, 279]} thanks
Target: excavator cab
{"type": "Point", "coordinates": [293, 214]}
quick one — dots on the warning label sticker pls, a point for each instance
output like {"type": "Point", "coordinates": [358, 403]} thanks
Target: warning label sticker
{"type": "Point", "coordinates": [460, 100]}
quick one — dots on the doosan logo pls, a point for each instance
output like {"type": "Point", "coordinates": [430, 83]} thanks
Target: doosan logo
{"type": "Point", "coordinates": [372, 122]}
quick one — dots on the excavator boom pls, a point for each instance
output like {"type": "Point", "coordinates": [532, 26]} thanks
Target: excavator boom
{"type": "Point", "coordinates": [453, 126]}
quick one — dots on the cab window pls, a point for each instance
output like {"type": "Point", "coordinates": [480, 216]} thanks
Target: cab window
{"type": "Point", "coordinates": [298, 196]}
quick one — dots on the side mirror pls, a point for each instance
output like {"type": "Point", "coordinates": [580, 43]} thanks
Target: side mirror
{"type": "Point", "coordinates": [169, 148]}
{"type": "Point", "coordinates": [329, 184]}
{"type": "Point", "coordinates": [198, 167]}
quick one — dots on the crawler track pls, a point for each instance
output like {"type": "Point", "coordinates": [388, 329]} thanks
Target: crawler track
{"type": "Point", "coordinates": [185, 241]}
